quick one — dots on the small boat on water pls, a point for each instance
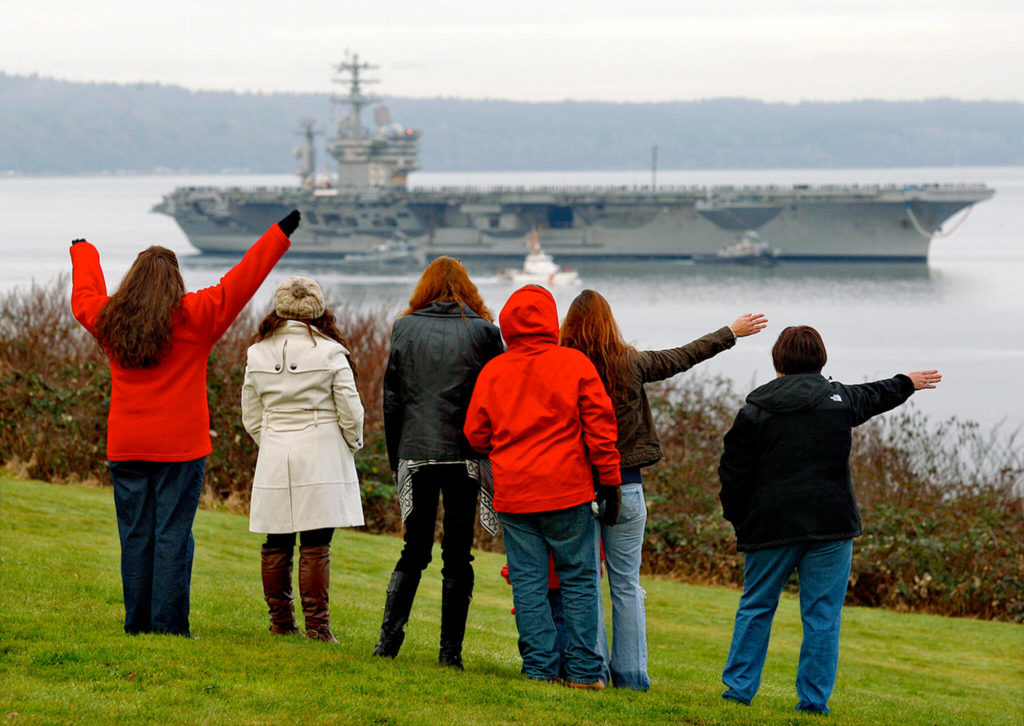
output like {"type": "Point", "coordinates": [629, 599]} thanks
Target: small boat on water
{"type": "Point", "coordinates": [539, 268]}
{"type": "Point", "coordinates": [749, 250]}
{"type": "Point", "coordinates": [396, 251]}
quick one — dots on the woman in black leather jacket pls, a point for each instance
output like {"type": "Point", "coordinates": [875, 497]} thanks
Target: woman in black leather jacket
{"type": "Point", "coordinates": [438, 346]}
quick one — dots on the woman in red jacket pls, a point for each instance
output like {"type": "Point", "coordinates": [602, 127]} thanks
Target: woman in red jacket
{"type": "Point", "coordinates": [158, 339]}
{"type": "Point", "coordinates": [540, 412]}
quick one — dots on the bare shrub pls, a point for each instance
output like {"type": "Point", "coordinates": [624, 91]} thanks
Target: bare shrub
{"type": "Point", "coordinates": [942, 504]}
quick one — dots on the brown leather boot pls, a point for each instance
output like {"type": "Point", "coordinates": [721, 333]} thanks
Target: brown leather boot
{"type": "Point", "coordinates": [314, 588]}
{"type": "Point", "coordinates": [277, 589]}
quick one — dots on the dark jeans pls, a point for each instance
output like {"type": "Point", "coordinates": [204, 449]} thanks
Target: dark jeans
{"type": "Point", "coordinates": [309, 538]}
{"type": "Point", "coordinates": [570, 536]}
{"type": "Point", "coordinates": [156, 503]}
{"type": "Point", "coordinates": [460, 494]}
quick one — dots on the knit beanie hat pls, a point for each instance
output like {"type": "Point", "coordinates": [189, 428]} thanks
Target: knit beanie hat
{"type": "Point", "coordinates": [299, 298]}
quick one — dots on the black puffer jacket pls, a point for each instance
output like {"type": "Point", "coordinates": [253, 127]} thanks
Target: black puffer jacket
{"type": "Point", "coordinates": [638, 442]}
{"type": "Point", "coordinates": [785, 471]}
{"type": "Point", "coordinates": [436, 354]}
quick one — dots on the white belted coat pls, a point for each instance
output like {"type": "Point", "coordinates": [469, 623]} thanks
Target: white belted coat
{"type": "Point", "coordinates": [300, 405]}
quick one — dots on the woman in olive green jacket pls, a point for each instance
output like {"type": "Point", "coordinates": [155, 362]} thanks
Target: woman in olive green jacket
{"type": "Point", "coordinates": [590, 327]}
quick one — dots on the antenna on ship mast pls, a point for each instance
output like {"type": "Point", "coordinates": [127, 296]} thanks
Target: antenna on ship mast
{"type": "Point", "coordinates": [355, 97]}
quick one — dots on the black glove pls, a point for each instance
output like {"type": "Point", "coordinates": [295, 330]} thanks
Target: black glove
{"type": "Point", "coordinates": [76, 241]}
{"type": "Point", "coordinates": [612, 498]}
{"type": "Point", "coordinates": [290, 223]}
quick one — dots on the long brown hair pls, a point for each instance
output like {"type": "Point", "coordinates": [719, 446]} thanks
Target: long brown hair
{"type": "Point", "coordinates": [326, 324]}
{"type": "Point", "coordinates": [590, 327]}
{"type": "Point", "coordinates": [446, 280]}
{"type": "Point", "coordinates": [134, 325]}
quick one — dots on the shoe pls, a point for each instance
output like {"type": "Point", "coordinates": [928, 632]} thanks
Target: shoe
{"type": "Point", "coordinates": [597, 685]}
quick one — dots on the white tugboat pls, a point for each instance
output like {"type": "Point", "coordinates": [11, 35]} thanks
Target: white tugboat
{"type": "Point", "coordinates": [539, 268]}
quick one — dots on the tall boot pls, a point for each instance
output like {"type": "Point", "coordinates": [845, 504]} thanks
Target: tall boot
{"type": "Point", "coordinates": [401, 593]}
{"type": "Point", "coordinates": [277, 589]}
{"type": "Point", "coordinates": [314, 588]}
{"type": "Point", "coordinates": [455, 598]}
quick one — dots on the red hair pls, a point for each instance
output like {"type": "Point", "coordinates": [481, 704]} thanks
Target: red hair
{"type": "Point", "coordinates": [590, 327]}
{"type": "Point", "coordinates": [446, 280]}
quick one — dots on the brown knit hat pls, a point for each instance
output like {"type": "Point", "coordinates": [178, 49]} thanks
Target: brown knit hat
{"type": "Point", "coordinates": [299, 298]}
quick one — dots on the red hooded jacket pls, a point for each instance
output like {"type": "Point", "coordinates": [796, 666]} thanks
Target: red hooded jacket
{"type": "Point", "coordinates": [540, 412]}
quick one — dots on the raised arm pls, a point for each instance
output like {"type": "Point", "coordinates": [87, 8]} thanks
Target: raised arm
{"type": "Point", "coordinates": [871, 399]}
{"type": "Point", "coordinates": [88, 286]}
{"type": "Point", "coordinates": [215, 308]}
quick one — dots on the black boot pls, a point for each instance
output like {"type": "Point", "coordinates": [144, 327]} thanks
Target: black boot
{"type": "Point", "coordinates": [277, 589]}
{"type": "Point", "coordinates": [455, 597]}
{"type": "Point", "coordinates": [401, 592]}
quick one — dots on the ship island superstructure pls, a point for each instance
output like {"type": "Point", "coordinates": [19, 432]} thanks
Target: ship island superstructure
{"type": "Point", "coordinates": [368, 202]}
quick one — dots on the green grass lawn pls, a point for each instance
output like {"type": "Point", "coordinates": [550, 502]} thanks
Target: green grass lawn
{"type": "Point", "coordinates": [65, 659]}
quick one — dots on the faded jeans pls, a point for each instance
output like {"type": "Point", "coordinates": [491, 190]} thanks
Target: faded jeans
{"type": "Point", "coordinates": [623, 543]}
{"type": "Point", "coordinates": [823, 569]}
{"type": "Point", "coordinates": [568, 534]}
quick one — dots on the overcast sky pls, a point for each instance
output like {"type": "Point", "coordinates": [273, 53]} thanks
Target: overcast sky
{"type": "Point", "coordinates": [545, 50]}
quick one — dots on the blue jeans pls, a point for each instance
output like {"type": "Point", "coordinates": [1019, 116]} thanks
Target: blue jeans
{"type": "Point", "coordinates": [623, 543]}
{"type": "Point", "coordinates": [156, 503]}
{"type": "Point", "coordinates": [568, 534]}
{"type": "Point", "coordinates": [823, 569]}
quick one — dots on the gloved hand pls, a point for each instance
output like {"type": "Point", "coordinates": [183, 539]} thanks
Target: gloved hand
{"type": "Point", "coordinates": [76, 241]}
{"type": "Point", "coordinates": [611, 496]}
{"type": "Point", "coordinates": [290, 223]}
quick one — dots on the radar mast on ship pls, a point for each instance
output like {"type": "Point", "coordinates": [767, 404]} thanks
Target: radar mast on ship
{"type": "Point", "coordinates": [382, 157]}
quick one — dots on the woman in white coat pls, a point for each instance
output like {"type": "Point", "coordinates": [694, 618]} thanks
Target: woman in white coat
{"type": "Point", "coordinates": [301, 406]}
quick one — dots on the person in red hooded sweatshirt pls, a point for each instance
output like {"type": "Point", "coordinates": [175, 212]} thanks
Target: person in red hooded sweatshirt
{"type": "Point", "coordinates": [158, 339]}
{"type": "Point", "coordinates": [541, 413]}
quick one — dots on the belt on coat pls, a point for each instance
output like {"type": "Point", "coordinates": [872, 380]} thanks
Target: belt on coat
{"type": "Point", "coordinates": [296, 419]}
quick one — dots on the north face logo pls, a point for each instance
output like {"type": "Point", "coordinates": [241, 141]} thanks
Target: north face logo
{"type": "Point", "coordinates": [836, 397]}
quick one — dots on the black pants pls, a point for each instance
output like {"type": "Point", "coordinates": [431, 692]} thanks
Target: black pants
{"type": "Point", "coordinates": [460, 493]}
{"type": "Point", "coordinates": [309, 538]}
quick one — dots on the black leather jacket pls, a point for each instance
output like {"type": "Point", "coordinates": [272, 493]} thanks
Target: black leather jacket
{"type": "Point", "coordinates": [435, 357]}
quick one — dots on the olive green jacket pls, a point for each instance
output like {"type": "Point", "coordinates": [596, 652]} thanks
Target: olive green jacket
{"type": "Point", "coordinates": [638, 440]}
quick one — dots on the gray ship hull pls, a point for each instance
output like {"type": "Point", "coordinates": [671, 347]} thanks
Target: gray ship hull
{"type": "Point", "coordinates": [854, 223]}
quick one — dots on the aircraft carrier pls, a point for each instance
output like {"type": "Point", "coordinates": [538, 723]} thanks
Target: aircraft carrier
{"type": "Point", "coordinates": [368, 204]}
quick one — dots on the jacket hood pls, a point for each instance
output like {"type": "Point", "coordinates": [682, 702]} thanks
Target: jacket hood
{"type": "Point", "coordinates": [791, 393]}
{"type": "Point", "coordinates": [530, 312]}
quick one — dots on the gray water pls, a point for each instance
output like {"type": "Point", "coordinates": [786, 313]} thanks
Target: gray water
{"type": "Point", "coordinates": [961, 313]}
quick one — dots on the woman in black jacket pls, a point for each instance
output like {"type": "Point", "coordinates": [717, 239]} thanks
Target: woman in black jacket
{"type": "Point", "coordinates": [786, 489]}
{"type": "Point", "coordinates": [438, 346]}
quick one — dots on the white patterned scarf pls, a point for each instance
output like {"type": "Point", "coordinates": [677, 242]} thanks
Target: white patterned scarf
{"type": "Point", "coordinates": [477, 469]}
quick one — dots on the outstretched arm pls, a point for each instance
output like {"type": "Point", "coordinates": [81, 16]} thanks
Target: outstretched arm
{"type": "Point", "coordinates": [748, 324]}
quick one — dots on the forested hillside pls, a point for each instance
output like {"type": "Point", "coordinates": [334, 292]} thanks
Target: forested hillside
{"type": "Point", "coordinates": [59, 127]}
